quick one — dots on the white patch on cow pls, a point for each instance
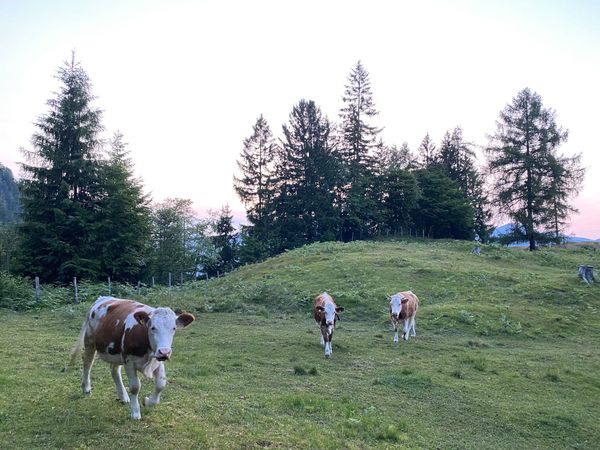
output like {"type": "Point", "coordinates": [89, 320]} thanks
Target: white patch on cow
{"type": "Point", "coordinates": [130, 322]}
{"type": "Point", "coordinates": [117, 323]}
{"type": "Point", "coordinates": [110, 347]}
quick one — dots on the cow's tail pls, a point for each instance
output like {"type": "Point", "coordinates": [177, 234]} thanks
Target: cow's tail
{"type": "Point", "coordinates": [77, 347]}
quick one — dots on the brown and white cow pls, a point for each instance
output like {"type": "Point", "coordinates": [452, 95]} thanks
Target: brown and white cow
{"type": "Point", "coordinates": [131, 334]}
{"type": "Point", "coordinates": [325, 313]}
{"type": "Point", "coordinates": [403, 306]}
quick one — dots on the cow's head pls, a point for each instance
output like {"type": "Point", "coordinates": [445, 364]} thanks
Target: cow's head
{"type": "Point", "coordinates": [396, 302]}
{"type": "Point", "coordinates": [330, 316]}
{"type": "Point", "coordinates": [161, 324]}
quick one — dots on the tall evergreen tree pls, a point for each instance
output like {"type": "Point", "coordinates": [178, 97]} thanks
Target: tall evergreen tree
{"type": "Point", "coordinates": [61, 186]}
{"type": "Point", "coordinates": [255, 187]}
{"type": "Point", "coordinates": [443, 210]}
{"type": "Point", "coordinates": [523, 159]}
{"type": "Point", "coordinates": [123, 229]}
{"type": "Point", "coordinates": [428, 154]}
{"type": "Point", "coordinates": [225, 240]}
{"type": "Point", "coordinates": [358, 139]}
{"type": "Point", "coordinates": [307, 177]}
{"type": "Point", "coordinates": [457, 158]}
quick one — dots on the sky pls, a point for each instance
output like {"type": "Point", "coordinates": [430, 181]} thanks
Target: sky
{"type": "Point", "coordinates": [185, 81]}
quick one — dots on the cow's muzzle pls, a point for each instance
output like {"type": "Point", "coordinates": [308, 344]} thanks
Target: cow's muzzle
{"type": "Point", "coordinates": [162, 354]}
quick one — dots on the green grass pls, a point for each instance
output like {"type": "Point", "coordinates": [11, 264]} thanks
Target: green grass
{"type": "Point", "coordinates": [506, 356]}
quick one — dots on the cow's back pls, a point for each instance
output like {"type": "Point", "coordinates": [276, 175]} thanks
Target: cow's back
{"type": "Point", "coordinates": [320, 301]}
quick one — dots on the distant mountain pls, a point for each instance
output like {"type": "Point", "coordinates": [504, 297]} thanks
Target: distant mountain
{"type": "Point", "coordinates": [508, 227]}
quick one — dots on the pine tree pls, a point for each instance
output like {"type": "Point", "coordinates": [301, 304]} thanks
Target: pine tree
{"type": "Point", "coordinates": [123, 230]}
{"type": "Point", "coordinates": [358, 139]}
{"type": "Point", "coordinates": [61, 187]}
{"type": "Point", "coordinates": [307, 177]}
{"type": "Point", "coordinates": [529, 178]}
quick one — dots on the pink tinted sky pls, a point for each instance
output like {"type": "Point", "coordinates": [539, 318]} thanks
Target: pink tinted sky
{"type": "Point", "coordinates": [185, 80]}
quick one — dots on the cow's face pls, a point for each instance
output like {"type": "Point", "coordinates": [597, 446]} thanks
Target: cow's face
{"type": "Point", "coordinates": [396, 305]}
{"type": "Point", "coordinates": [161, 324]}
{"type": "Point", "coordinates": [330, 316]}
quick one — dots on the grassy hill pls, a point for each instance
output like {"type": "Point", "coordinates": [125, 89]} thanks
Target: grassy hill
{"type": "Point", "coordinates": [506, 356]}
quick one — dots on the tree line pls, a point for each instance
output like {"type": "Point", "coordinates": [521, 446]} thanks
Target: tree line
{"type": "Point", "coordinates": [324, 181]}
{"type": "Point", "coordinates": [83, 213]}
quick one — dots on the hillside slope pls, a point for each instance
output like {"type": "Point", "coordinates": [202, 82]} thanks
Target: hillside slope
{"type": "Point", "coordinates": [507, 291]}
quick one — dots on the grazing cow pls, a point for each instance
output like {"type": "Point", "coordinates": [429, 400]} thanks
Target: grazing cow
{"type": "Point", "coordinates": [326, 315]}
{"type": "Point", "coordinates": [403, 306]}
{"type": "Point", "coordinates": [131, 334]}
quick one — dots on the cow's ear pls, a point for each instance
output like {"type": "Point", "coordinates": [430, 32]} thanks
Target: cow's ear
{"type": "Point", "coordinates": [141, 317]}
{"type": "Point", "coordinates": [339, 309]}
{"type": "Point", "coordinates": [320, 308]}
{"type": "Point", "coordinates": [404, 300]}
{"type": "Point", "coordinates": [184, 319]}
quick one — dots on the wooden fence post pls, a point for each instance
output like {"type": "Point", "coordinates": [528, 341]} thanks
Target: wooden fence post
{"type": "Point", "coordinates": [109, 287]}
{"type": "Point", "coordinates": [76, 299]}
{"type": "Point", "coordinates": [37, 289]}
{"type": "Point", "coordinates": [181, 277]}
{"type": "Point", "coordinates": [170, 279]}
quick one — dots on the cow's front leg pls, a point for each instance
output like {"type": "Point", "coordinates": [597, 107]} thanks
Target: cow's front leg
{"type": "Point", "coordinates": [160, 381]}
{"type": "Point", "coordinates": [322, 341]}
{"type": "Point", "coordinates": [115, 370]}
{"type": "Point", "coordinates": [395, 325]}
{"type": "Point", "coordinates": [134, 390]}
{"type": "Point", "coordinates": [89, 353]}
{"type": "Point", "coordinates": [328, 348]}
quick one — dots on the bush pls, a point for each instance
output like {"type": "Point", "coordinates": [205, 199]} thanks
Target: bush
{"type": "Point", "coordinates": [16, 293]}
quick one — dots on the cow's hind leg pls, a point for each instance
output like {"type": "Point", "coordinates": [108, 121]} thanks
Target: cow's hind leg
{"type": "Point", "coordinates": [89, 353]}
{"type": "Point", "coordinates": [412, 326]}
{"type": "Point", "coordinates": [115, 370]}
{"type": "Point", "coordinates": [406, 329]}
{"type": "Point", "coordinates": [160, 381]}
{"type": "Point", "coordinates": [134, 390]}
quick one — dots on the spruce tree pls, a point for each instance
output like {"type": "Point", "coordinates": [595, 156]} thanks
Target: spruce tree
{"type": "Point", "coordinates": [307, 176]}
{"type": "Point", "coordinates": [10, 205]}
{"type": "Point", "coordinates": [225, 240]}
{"type": "Point", "coordinates": [358, 139]}
{"type": "Point", "coordinates": [529, 176]}
{"type": "Point", "coordinates": [123, 229]}
{"type": "Point", "coordinates": [428, 153]}
{"type": "Point", "coordinates": [255, 188]}
{"type": "Point", "coordinates": [60, 191]}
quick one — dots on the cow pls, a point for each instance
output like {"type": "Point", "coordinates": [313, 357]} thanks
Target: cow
{"type": "Point", "coordinates": [325, 313]}
{"type": "Point", "coordinates": [403, 306]}
{"type": "Point", "coordinates": [131, 334]}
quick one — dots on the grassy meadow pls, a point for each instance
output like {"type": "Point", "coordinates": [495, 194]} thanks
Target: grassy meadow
{"type": "Point", "coordinates": [507, 355]}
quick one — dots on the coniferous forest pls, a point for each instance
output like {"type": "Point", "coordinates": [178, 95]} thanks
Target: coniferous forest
{"type": "Point", "coordinates": [79, 211]}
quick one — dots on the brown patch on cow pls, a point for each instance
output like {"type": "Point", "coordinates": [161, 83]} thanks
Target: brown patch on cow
{"type": "Point", "coordinates": [410, 304]}
{"type": "Point", "coordinates": [106, 332]}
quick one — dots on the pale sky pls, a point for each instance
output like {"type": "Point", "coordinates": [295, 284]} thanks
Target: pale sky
{"type": "Point", "coordinates": [184, 81]}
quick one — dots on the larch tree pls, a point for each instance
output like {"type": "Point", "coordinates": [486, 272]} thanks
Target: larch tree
{"type": "Point", "coordinates": [530, 178]}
